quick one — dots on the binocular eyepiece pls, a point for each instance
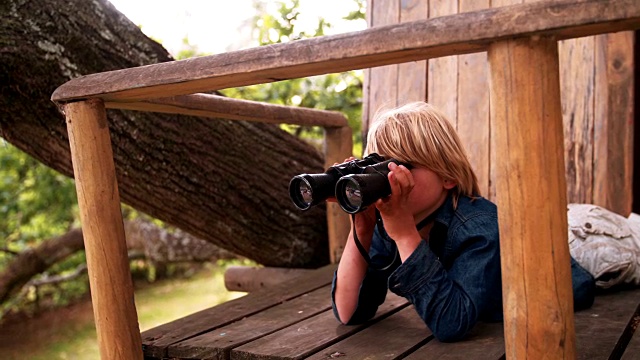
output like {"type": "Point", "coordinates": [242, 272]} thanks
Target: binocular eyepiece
{"type": "Point", "coordinates": [356, 184]}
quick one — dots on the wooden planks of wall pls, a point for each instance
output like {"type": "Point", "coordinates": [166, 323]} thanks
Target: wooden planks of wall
{"type": "Point", "coordinates": [596, 75]}
{"type": "Point", "coordinates": [613, 129]}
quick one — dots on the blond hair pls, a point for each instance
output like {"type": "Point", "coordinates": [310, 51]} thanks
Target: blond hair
{"type": "Point", "coordinates": [419, 134]}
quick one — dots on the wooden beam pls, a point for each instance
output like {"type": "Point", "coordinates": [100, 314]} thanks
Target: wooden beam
{"type": "Point", "coordinates": [252, 278]}
{"type": "Point", "coordinates": [233, 109]}
{"type": "Point", "coordinates": [338, 146]}
{"type": "Point", "coordinates": [532, 200]}
{"type": "Point", "coordinates": [613, 129]}
{"type": "Point", "coordinates": [99, 201]}
{"type": "Point", "coordinates": [418, 40]}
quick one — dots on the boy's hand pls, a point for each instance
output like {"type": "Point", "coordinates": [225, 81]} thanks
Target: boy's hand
{"type": "Point", "coordinates": [394, 209]}
{"type": "Point", "coordinates": [365, 222]}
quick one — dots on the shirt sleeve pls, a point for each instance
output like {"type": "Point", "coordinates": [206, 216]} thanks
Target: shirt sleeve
{"type": "Point", "coordinates": [450, 301]}
{"type": "Point", "coordinates": [373, 289]}
{"type": "Point", "coordinates": [584, 286]}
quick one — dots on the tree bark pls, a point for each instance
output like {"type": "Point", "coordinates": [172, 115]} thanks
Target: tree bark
{"type": "Point", "coordinates": [31, 262]}
{"type": "Point", "coordinates": [222, 181]}
{"type": "Point", "coordinates": [154, 243]}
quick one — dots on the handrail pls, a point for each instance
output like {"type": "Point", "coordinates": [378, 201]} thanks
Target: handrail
{"type": "Point", "coordinates": [418, 40]}
{"type": "Point", "coordinates": [234, 109]}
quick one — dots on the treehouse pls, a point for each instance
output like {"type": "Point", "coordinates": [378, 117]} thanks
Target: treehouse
{"type": "Point", "coordinates": [542, 96]}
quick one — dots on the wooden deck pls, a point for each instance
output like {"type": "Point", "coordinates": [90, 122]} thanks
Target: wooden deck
{"type": "Point", "coordinates": [294, 320]}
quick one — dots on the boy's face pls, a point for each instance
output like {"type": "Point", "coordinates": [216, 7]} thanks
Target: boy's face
{"type": "Point", "coordinates": [429, 192]}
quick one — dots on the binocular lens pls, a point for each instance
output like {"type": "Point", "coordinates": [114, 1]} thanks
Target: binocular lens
{"type": "Point", "coordinates": [356, 192]}
{"type": "Point", "coordinates": [301, 192]}
{"type": "Point", "coordinates": [353, 195]}
{"type": "Point", "coordinates": [306, 193]}
{"type": "Point", "coordinates": [355, 184]}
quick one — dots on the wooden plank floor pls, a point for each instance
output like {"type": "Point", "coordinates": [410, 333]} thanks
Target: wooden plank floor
{"type": "Point", "coordinates": [294, 320]}
{"type": "Point", "coordinates": [599, 327]}
{"type": "Point", "coordinates": [156, 341]}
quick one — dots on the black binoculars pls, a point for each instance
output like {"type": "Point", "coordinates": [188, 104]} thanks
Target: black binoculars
{"type": "Point", "coordinates": [356, 184]}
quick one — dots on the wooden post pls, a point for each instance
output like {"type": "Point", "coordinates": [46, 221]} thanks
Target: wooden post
{"type": "Point", "coordinates": [531, 198]}
{"type": "Point", "coordinates": [108, 266]}
{"type": "Point", "coordinates": [613, 130]}
{"type": "Point", "coordinates": [338, 146]}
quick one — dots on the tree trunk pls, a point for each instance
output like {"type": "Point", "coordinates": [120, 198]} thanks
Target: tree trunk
{"type": "Point", "coordinates": [31, 262]}
{"type": "Point", "coordinates": [222, 181]}
{"type": "Point", "coordinates": [163, 246]}
{"type": "Point", "coordinates": [154, 243]}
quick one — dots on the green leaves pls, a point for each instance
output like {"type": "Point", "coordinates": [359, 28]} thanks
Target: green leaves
{"type": "Point", "coordinates": [338, 92]}
{"type": "Point", "coordinates": [36, 202]}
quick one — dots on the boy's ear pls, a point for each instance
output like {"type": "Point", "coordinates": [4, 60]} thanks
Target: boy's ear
{"type": "Point", "coordinates": [449, 184]}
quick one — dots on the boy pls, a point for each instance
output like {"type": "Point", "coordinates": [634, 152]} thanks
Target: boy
{"type": "Point", "coordinates": [436, 241]}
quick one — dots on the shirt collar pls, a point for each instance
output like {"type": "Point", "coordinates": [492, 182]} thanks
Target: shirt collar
{"type": "Point", "coordinates": [445, 212]}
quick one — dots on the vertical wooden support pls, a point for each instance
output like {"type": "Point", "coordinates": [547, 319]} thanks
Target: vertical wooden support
{"type": "Point", "coordinates": [412, 76]}
{"type": "Point", "coordinates": [338, 146]}
{"type": "Point", "coordinates": [531, 197]}
{"type": "Point", "coordinates": [442, 89]}
{"type": "Point", "coordinates": [381, 82]}
{"type": "Point", "coordinates": [108, 266]}
{"type": "Point", "coordinates": [613, 130]}
{"type": "Point", "coordinates": [473, 108]}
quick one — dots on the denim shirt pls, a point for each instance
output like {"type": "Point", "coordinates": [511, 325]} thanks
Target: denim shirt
{"type": "Point", "coordinates": [453, 279]}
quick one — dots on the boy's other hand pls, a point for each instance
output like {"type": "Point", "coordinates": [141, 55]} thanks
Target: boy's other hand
{"type": "Point", "coordinates": [394, 209]}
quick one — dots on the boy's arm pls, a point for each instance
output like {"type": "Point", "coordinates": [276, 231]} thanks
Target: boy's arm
{"type": "Point", "coordinates": [451, 301]}
{"type": "Point", "coordinates": [358, 290]}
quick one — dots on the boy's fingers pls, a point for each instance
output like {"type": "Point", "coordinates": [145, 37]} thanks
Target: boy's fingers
{"type": "Point", "coordinates": [345, 160]}
{"type": "Point", "coordinates": [407, 173]}
{"type": "Point", "coordinates": [403, 178]}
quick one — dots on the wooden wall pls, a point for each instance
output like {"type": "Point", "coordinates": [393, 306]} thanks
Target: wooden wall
{"type": "Point", "coordinates": [596, 73]}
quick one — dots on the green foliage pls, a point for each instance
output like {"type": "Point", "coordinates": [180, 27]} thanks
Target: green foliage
{"type": "Point", "coordinates": [72, 334]}
{"type": "Point", "coordinates": [338, 92]}
{"type": "Point", "coordinates": [188, 51]}
{"type": "Point", "coordinates": [359, 13]}
{"type": "Point", "coordinates": [36, 202]}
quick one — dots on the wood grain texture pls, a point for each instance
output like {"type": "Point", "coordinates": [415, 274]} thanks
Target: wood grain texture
{"type": "Point", "coordinates": [220, 107]}
{"type": "Point", "coordinates": [485, 341]}
{"type": "Point", "coordinates": [599, 328]}
{"type": "Point", "coordinates": [613, 130]}
{"type": "Point", "coordinates": [251, 278]}
{"type": "Point", "coordinates": [393, 85]}
{"type": "Point", "coordinates": [493, 156]}
{"type": "Point", "coordinates": [310, 336]}
{"type": "Point", "coordinates": [367, 112]}
{"type": "Point", "coordinates": [392, 338]}
{"type": "Point", "coordinates": [443, 71]}
{"type": "Point", "coordinates": [217, 344]}
{"type": "Point", "coordinates": [311, 331]}
{"type": "Point", "coordinates": [531, 196]}
{"type": "Point", "coordinates": [577, 84]}
{"type": "Point", "coordinates": [404, 42]}
{"type": "Point", "coordinates": [383, 80]}
{"type": "Point", "coordinates": [473, 107]}
{"type": "Point", "coordinates": [412, 76]}
{"type": "Point", "coordinates": [105, 247]}
{"type": "Point", "coordinates": [155, 341]}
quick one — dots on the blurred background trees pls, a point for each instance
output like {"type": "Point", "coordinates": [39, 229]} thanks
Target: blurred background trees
{"type": "Point", "coordinates": [38, 204]}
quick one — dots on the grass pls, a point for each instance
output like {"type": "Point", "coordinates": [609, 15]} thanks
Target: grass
{"type": "Point", "coordinates": [70, 333]}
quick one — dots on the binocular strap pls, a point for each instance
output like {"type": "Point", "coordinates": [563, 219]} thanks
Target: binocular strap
{"type": "Point", "coordinates": [365, 253]}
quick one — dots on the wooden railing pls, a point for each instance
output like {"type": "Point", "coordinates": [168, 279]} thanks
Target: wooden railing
{"type": "Point", "coordinates": [521, 42]}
